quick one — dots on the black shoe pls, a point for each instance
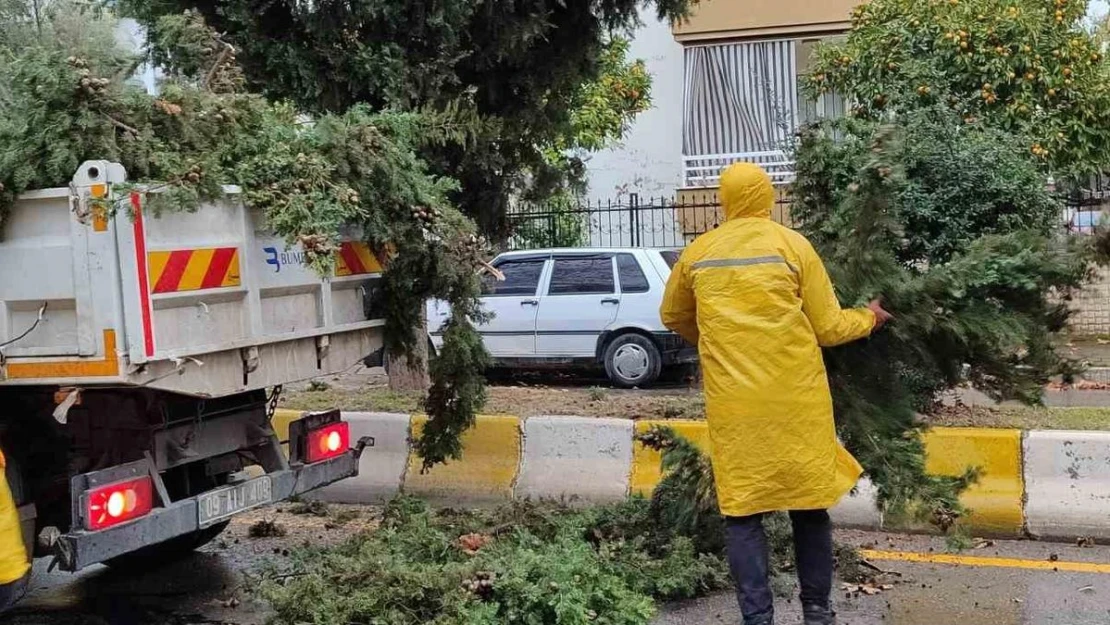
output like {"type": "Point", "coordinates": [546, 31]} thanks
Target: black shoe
{"type": "Point", "coordinates": [818, 615]}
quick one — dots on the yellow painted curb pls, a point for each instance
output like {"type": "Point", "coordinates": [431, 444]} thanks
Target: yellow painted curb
{"type": "Point", "coordinates": [996, 501]}
{"type": "Point", "coordinates": [487, 470]}
{"type": "Point", "coordinates": [280, 423]}
{"type": "Point", "coordinates": [647, 463]}
{"type": "Point", "coordinates": [1000, 563]}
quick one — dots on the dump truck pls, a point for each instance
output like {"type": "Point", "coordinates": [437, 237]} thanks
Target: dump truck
{"type": "Point", "coordinates": [142, 354]}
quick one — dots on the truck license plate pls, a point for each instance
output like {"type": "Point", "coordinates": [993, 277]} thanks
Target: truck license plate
{"type": "Point", "coordinates": [220, 504]}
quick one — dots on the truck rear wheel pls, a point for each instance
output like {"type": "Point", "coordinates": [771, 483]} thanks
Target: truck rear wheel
{"type": "Point", "coordinates": [167, 552]}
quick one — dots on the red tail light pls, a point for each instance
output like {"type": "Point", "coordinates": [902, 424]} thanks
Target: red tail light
{"type": "Point", "coordinates": [118, 503]}
{"type": "Point", "coordinates": [328, 442]}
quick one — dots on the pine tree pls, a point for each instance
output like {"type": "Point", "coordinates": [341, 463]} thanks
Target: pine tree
{"type": "Point", "coordinates": [66, 97]}
{"type": "Point", "coordinates": [955, 230]}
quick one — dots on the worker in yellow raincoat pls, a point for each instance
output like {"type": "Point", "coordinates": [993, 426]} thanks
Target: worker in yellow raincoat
{"type": "Point", "coordinates": [14, 565]}
{"type": "Point", "coordinates": [756, 300]}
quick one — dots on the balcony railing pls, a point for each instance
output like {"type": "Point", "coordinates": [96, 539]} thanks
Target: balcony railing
{"type": "Point", "coordinates": [705, 170]}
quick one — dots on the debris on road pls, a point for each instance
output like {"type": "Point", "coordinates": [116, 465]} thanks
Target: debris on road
{"type": "Point", "coordinates": [471, 544]}
{"type": "Point", "coordinates": [266, 528]}
{"type": "Point", "coordinates": [314, 508]}
{"type": "Point", "coordinates": [865, 589]}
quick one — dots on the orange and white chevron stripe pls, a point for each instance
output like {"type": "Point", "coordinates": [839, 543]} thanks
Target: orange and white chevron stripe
{"type": "Point", "coordinates": [356, 259]}
{"type": "Point", "coordinates": [193, 270]}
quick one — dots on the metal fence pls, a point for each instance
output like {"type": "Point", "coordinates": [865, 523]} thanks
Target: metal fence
{"type": "Point", "coordinates": [672, 222]}
{"type": "Point", "coordinates": [1085, 207]}
{"type": "Point", "coordinates": [631, 221]}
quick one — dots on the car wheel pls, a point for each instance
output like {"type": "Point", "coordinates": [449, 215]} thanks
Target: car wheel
{"type": "Point", "coordinates": [632, 360]}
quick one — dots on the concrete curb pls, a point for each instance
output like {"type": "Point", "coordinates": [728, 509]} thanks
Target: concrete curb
{"type": "Point", "coordinates": [1067, 476]}
{"type": "Point", "coordinates": [575, 457]}
{"type": "Point", "coordinates": [382, 467]}
{"type": "Point", "coordinates": [1047, 484]}
{"type": "Point", "coordinates": [487, 471]}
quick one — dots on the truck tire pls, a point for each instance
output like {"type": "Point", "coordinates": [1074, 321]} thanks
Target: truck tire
{"type": "Point", "coordinates": [633, 360]}
{"type": "Point", "coordinates": [172, 550]}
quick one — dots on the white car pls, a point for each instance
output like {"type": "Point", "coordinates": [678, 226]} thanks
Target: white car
{"type": "Point", "coordinates": [579, 308]}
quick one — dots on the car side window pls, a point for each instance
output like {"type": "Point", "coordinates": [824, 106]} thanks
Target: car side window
{"type": "Point", "coordinates": [582, 276]}
{"type": "Point", "coordinates": [522, 277]}
{"type": "Point", "coordinates": [670, 256]}
{"type": "Point", "coordinates": [631, 275]}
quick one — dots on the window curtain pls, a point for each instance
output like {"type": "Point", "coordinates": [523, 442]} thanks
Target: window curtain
{"type": "Point", "coordinates": [740, 97]}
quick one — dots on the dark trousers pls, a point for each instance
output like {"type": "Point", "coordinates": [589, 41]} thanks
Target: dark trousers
{"type": "Point", "coordinates": [10, 593]}
{"type": "Point", "coordinates": [749, 559]}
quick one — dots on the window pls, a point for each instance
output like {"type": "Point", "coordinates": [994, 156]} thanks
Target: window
{"type": "Point", "coordinates": [632, 277]}
{"type": "Point", "coordinates": [521, 278]}
{"type": "Point", "coordinates": [740, 104]}
{"type": "Point", "coordinates": [582, 276]}
{"type": "Point", "coordinates": [671, 257]}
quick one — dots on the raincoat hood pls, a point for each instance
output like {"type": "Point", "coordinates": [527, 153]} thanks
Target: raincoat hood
{"type": "Point", "coordinates": [746, 191]}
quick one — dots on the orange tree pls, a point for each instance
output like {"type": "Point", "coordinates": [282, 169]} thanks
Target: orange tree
{"type": "Point", "coordinates": [1027, 66]}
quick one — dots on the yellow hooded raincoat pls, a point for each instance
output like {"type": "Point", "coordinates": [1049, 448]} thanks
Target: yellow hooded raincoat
{"type": "Point", "coordinates": [756, 300]}
{"type": "Point", "coordinates": [13, 554]}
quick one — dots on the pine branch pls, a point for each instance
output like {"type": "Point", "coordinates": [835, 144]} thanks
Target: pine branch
{"type": "Point", "coordinates": [225, 52]}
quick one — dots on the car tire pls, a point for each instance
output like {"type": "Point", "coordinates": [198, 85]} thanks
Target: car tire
{"type": "Point", "coordinates": [632, 360]}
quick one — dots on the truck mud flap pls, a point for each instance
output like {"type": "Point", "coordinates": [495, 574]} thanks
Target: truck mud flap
{"type": "Point", "coordinates": [79, 549]}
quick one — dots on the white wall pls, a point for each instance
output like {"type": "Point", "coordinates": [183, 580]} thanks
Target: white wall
{"type": "Point", "coordinates": [649, 160]}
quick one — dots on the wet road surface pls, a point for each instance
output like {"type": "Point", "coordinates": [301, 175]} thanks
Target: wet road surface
{"type": "Point", "coordinates": [1026, 591]}
{"type": "Point", "coordinates": [210, 588]}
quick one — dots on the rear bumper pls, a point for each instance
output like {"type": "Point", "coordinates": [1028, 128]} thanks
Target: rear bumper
{"type": "Point", "coordinates": [675, 349]}
{"type": "Point", "coordinates": [80, 549]}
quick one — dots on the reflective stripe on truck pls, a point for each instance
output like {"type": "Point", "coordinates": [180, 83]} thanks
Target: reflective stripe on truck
{"type": "Point", "coordinates": [144, 280]}
{"type": "Point", "coordinates": [105, 368]}
{"type": "Point", "coordinates": [177, 271]}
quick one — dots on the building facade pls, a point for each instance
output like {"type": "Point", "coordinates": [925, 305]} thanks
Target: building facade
{"type": "Point", "coordinates": [741, 99]}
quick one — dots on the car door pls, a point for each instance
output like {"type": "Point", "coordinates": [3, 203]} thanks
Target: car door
{"type": "Point", "coordinates": [641, 292]}
{"type": "Point", "coordinates": [514, 303]}
{"type": "Point", "coordinates": [580, 303]}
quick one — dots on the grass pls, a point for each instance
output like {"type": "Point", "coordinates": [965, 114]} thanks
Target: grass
{"type": "Point", "coordinates": [1025, 418]}
{"type": "Point", "coordinates": [527, 401]}
{"type": "Point", "coordinates": [356, 400]}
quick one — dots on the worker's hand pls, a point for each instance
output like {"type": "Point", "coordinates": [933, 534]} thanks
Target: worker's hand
{"type": "Point", "coordinates": [881, 315]}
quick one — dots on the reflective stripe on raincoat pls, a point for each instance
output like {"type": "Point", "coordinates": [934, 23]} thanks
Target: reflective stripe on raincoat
{"type": "Point", "coordinates": [13, 554]}
{"type": "Point", "coordinates": [756, 300]}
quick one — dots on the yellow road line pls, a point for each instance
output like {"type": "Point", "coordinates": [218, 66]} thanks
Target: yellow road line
{"type": "Point", "coordinates": [1004, 563]}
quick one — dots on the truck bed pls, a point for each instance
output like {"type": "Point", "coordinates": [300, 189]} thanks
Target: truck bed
{"type": "Point", "coordinates": [204, 303]}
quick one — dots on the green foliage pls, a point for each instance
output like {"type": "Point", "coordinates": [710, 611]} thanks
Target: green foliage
{"type": "Point", "coordinates": [524, 563]}
{"type": "Point", "coordinates": [541, 76]}
{"type": "Point", "coordinates": [1028, 66]}
{"type": "Point", "coordinates": [316, 180]}
{"type": "Point", "coordinates": [555, 223]}
{"type": "Point", "coordinates": [686, 498]}
{"type": "Point", "coordinates": [954, 230]}
{"type": "Point", "coordinates": [602, 110]}
{"type": "Point", "coordinates": [514, 91]}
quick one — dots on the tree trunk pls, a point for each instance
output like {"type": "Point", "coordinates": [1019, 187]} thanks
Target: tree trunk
{"type": "Point", "coordinates": [403, 376]}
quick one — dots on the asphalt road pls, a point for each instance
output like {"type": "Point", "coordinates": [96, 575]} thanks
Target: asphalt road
{"type": "Point", "coordinates": [210, 589]}
{"type": "Point", "coordinates": [954, 594]}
